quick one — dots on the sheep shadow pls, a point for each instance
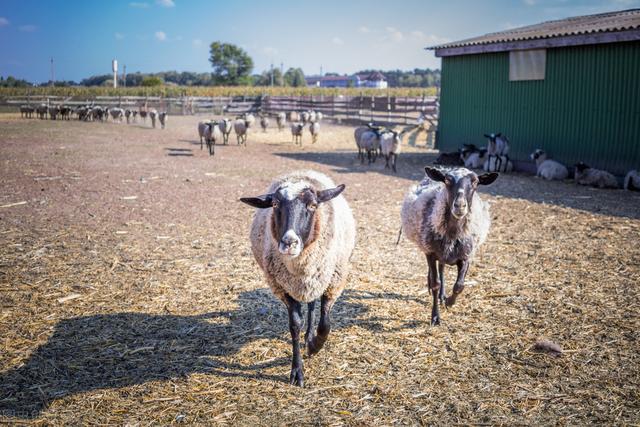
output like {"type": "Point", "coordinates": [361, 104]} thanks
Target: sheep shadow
{"type": "Point", "coordinates": [187, 152]}
{"type": "Point", "coordinates": [106, 351]}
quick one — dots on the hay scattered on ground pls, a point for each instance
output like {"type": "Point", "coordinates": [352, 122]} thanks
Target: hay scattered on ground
{"type": "Point", "coordinates": [129, 295]}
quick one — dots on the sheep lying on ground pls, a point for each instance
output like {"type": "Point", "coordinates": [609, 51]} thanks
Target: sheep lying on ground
{"type": "Point", "coordinates": [449, 159]}
{"type": "Point", "coordinates": [302, 237]}
{"type": "Point", "coordinates": [585, 175]}
{"type": "Point", "coordinates": [448, 221]}
{"type": "Point", "coordinates": [473, 157]}
{"type": "Point", "coordinates": [547, 168]}
{"type": "Point", "coordinates": [632, 181]}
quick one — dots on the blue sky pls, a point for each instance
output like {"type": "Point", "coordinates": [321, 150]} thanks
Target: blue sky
{"type": "Point", "coordinates": [341, 36]}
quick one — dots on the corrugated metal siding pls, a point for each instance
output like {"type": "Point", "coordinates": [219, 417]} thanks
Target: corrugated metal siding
{"type": "Point", "coordinates": [587, 108]}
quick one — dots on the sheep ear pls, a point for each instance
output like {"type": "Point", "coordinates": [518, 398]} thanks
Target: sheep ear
{"type": "Point", "coordinates": [329, 193]}
{"type": "Point", "coordinates": [498, 135]}
{"type": "Point", "coordinates": [487, 136]}
{"type": "Point", "coordinates": [260, 202]}
{"type": "Point", "coordinates": [434, 174]}
{"type": "Point", "coordinates": [487, 178]}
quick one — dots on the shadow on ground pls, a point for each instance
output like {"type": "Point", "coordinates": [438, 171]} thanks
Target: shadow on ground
{"type": "Point", "coordinates": [117, 350]}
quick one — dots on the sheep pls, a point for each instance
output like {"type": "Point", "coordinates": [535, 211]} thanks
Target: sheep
{"type": "Point", "coordinates": [240, 126]}
{"type": "Point", "coordinates": [473, 157]}
{"type": "Point", "coordinates": [498, 146]}
{"type": "Point", "coordinates": [135, 115]}
{"type": "Point", "coordinates": [281, 121]}
{"type": "Point", "coordinates": [212, 134]}
{"type": "Point", "coordinates": [225, 126]}
{"type": "Point", "coordinates": [26, 111]}
{"type": "Point", "coordinates": [42, 110]}
{"type": "Point", "coordinates": [143, 115]}
{"type": "Point", "coordinates": [632, 181]}
{"type": "Point", "coordinates": [202, 126]}
{"type": "Point", "coordinates": [53, 112]}
{"type": "Point", "coordinates": [127, 115]}
{"type": "Point", "coordinates": [449, 159]}
{"type": "Point", "coordinates": [162, 117]}
{"type": "Point", "coordinates": [264, 123]}
{"type": "Point", "coordinates": [153, 113]}
{"type": "Point", "coordinates": [116, 114]}
{"type": "Point", "coordinates": [65, 112]}
{"type": "Point", "coordinates": [547, 168]}
{"type": "Point", "coordinates": [390, 143]}
{"type": "Point", "coordinates": [585, 175]}
{"type": "Point", "coordinates": [448, 222]}
{"type": "Point", "coordinates": [312, 116]}
{"type": "Point", "coordinates": [369, 143]}
{"type": "Point", "coordinates": [319, 116]}
{"type": "Point", "coordinates": [249, 120]}
{"type": "Point", "coordinates": [294, 116]}
{"type": "Point", "coordinates": [296, 132]}
{"type": "Point", "coordinates": [497, 164]}
{"type": "Point", "coordinates": [314, 130]}
{"type": "Point", "coordinates": [304, 117]}
{"type": "Point", "coordinates": [302, 237]}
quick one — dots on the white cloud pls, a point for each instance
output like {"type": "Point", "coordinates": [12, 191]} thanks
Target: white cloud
{"type": "Point", "coordinates": [160, 35]}
{"type": "Point", "coordinates": [364, 29]}
{"type": "Point", "coordinates": [196, 42]}
{"type": "Point", "coordinates": [3, 21]}
{"type": "Point", "coordinates": [29, 28]}
{"type": "Point", "coordinates": [139, 5]}
{"type": "Point", "coordinates": [270, 51]}
{"type": "Point", "coordinates": [337, 40]}
{"type": "Point", "coordinates": [119, 36]}
{"type": "Point", "coordinates": [166, 3]}
{"type": "Point", "coordinates": [394, 34]}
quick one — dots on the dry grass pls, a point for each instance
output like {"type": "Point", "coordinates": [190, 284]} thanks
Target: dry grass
{"type": "Point", "coordinates": [129, 295]}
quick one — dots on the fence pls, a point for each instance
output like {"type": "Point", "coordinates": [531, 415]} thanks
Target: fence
{"type": "Point", "coordinates": [386, 110]}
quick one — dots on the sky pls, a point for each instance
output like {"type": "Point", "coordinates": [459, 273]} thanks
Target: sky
{"type": "Point", "coordinates": [342, 36]}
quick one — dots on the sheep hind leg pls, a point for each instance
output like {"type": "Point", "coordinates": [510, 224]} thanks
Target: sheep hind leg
{"type": "Point", "coordinates": [463, 267]}
{"type": "Point", "coordinates": [434, 285]}
{"type": "Point", "coordinates": [393, 164]}
{"type": "Point", "coordinates": [311, 314]}
{"type": "Point", "coordinates": [442, 295]}
{"type": "Point", "coordinates": [324, 326]}
{"type": "Point", "coordinates": [295, 325]}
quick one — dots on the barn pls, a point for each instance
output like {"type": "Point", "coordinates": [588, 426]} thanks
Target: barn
{"type": "Point", "coordinates": [570, 86]}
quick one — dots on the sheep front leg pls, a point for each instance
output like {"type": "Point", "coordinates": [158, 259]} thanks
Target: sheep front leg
{"type": "Point", "coordinates": [324, 326]}
{"type": "Point", "coordinates": [442, 295]}
{"type": "Point", "coordinates": [434, 285]}
{"type": "Point", "coordinates": [463, 267]}
{"type": "Point", "coordinates": [295, 325]}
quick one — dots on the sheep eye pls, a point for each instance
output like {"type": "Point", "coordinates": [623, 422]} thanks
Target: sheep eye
{"type": "Point", "coordinates": [447, 181]}
{"type": "Point", "coordinates": [274, 204]}
{"type": "Point", "coordinates": [312, 206]}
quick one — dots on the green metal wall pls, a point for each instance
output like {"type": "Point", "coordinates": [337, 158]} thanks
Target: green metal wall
{"type": "Point", "coordinates": [587, 108]}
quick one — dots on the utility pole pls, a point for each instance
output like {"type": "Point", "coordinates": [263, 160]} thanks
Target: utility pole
{"type": "Point", "coordinates": [53, 73]}
{"type": "Point", "coordinates": [271, 74]}
{"type": "Point", "coordinates": [114, 67]}
{"type": "Point", "coordinates": [124, 76]}
{"type": "Point", "coordinates": [321, 71]}
{"type": "Point", "coordinates": [282, 72]}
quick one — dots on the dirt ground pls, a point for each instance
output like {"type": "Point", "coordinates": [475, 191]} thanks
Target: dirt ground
{"type": "Point", "coordinates": [129, 295]}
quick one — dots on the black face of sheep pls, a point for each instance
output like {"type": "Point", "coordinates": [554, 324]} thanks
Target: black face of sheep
{"type": "Point", "coordinates": [581, 166]}
{"type": "Point", "coordinates": [293, 218]}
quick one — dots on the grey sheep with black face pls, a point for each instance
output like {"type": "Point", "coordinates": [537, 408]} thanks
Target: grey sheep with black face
{"type": "Point", "coordinates": [448, 221]}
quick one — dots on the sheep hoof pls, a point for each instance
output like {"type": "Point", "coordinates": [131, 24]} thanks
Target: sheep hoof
{"type": "Point", "coordinates": [435, 321]}
{"type": "Point", "coordinates": [450, 301]}
{"type": "Point", "coordinates": [315, 344]}
{"type": "Point", "coordinates": [296, 377]}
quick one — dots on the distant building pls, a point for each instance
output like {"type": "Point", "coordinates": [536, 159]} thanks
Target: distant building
{"type": "Point", "coordinates": [373, 80]}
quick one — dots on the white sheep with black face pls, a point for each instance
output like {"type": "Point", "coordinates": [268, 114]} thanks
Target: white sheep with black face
{"type": "Point", "coordinates": [153, 115]}
{"type": "Point", "coordinates": [547, 168]}
{"type": "Point", "coordinates": [314, 130]}
{"type": "Point", "coordinates": [473, 157]}
{"type": "Point", "coordinates": [163, 117]}
{"type": "Point", "coordinates": [632, 181]}
{"type": "Point", "coordinates": [448, 221]}
{"type": "Point", "coordinates": [264, 123]}
{"type": "Point", "coordinates": [585, 175]}
{"type": "Point", "coordinates": [302, 237]}
{"type": "Point", "coordinates": [296, 132]}
{"type": "Point", "coordinates": [281, 121]}
{"type": "Point", "coordinates": [225, 126]}
{"type": "Point", "coordinates": [498, 146]}
{"type": "Point", "coordinates": [212, 135]}
{"type": "Point", "coordinates": [391, 145]}
{"type": "Point", "coordinates": [241, 128]}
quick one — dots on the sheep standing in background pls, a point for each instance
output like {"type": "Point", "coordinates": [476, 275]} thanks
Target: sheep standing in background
{"type": "Point", "coordinates": [585, 175]}
{"type": "Point", "coordinates": [212, 135]}
{"type": "Point", "coordinates": [127, 115]}
{"type": "Point", "coordinates": [304, 117]}
{"type": "Point", "coordinates": [370, 143]}
{"type": "Point", "coordinates": [153, 114]}
{"type": "Point", "coordinates": [498, 164]}
{"type": "Point", "coordinates": [473, 157]}
{"type": "Point", "coordinates": [296, 132]}
{"type": "Point", "coordinates": [281, 121]}
{"type": "Point", "coordinates": [302, 237]}
{"type": "Point", "coordinates": [65, 112]}
{"type": "Point", "coordinates": [143, 115]}
{"type": "Point", "coordinates": [314, 130]}
{"type": "Point", "coordinates": [116, 114]}
{"type": "Point", "coordinates": [225, 126]}
{"type": "Point", "coordinates": [319, 116]}
{"type": "Point", "coordinates": [202, 127]}
{"type": "Point", "coordinates": [135, 115]}
{"type": "Point", "coordinates": [53, 112]}
{"type": "Point", "coordinates": [448, 222]}
{"type": "Point", "coordinates": [42, 111]}
{"type": "Point", "coordinates": [632, 181]}
{"type": "Point", "coordinates": [547, 168]}
{"type": "Point", "coordinates": [264, 123]}
{"type": "Point", "coordinates": [312, 116]}
{"type": "Point", "coordinates": [249, 120]}
{"type": "Point", "coordinates": [240, 126]}
{"type": "Point", "coordinates": [357, 134]}
{"type": "Point", "coordinates": [390, 143]}
{"type": "Point", "coordinates": [498, 147]}
{"type": "Point", "coordinates": [162, 117]}
{"type": "Point", "coordinates": [294, 116]}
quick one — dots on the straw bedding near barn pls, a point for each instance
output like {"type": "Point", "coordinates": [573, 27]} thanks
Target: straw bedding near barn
{"type": "Point", "coordinates": [128, 292]}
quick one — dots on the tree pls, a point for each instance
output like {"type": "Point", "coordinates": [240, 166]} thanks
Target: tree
{"type": "Point", "coordinates": [294, 77]}
{"type": "Point", "coordinates": [152, 81]}
{"type": "Point", "coordinates": [231, 64]}
{"type": "Point", "coordinates": [264, 79]}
